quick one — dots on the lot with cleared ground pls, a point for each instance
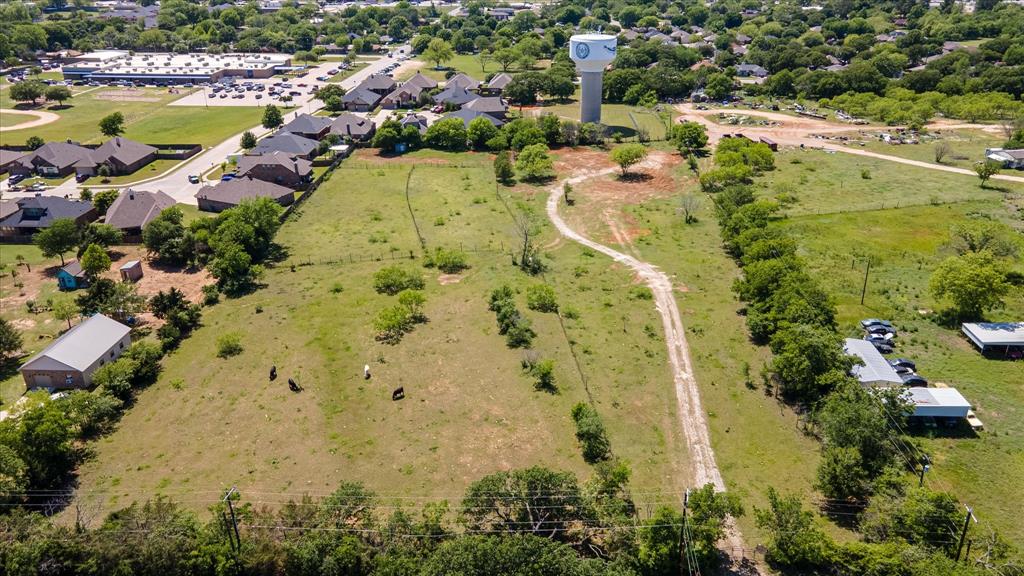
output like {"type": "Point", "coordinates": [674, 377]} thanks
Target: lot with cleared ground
{"type": "Point", "coordinates": [469, 409]}
{"type": "Point", "coordinates": [620, 118]}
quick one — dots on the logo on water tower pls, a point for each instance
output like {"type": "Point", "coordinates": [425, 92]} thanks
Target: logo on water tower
{"type": "Point", "coordinates": [582, 51]}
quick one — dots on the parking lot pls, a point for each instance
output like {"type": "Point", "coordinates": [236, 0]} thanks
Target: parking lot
{"type": "Point", "coordinates": [263, 91]}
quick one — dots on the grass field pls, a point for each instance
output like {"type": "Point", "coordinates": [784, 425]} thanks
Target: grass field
{"type": "Point", "coordinates": [470, 409]}
{"type": "Point", "coordinates": [966, 147]}
{"type": "Point", "coordinates": [151, 170]}
{"type": "Point", "coordinates": [906, 245]}
{"type": "Point", "coordinates": [619, 118]}
{"type": "Point", "coordinates": [470, 65]}
{"type": "Point", "coordinates": [150, 122]}
{"type": "Point", "coordinates": [823, 183]}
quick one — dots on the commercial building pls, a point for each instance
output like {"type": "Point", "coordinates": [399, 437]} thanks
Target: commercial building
{"type": "Point", "coordinates": [166, 68]}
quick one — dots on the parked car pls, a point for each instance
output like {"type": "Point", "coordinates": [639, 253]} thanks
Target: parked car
{"type": "Point", "coordinates": [227, 177]}
{"type": "Point", "coordinates": [884, 338]}
{"type": "Point", "coordinates": [914, 380]}
{"type": "Point", "coordinates": [880, 329]}
{"type": "Point", "coordinates": [903, 363]}
{"type": "Point", "coordinates": [867, 323]}
{"type": "Point", "coordinates": [193, 179]}
{"type": "Point", "coordinates": [883, 347]}
{"type": "Point", "coordinates": [15, 179]}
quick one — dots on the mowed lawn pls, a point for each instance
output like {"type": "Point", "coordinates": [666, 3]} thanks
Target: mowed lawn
{"type": "Point", "coordinates": [906, 245]}
{"type": "Point", "coordinates": [620, 118]}
{"type": "Point", "coordinates": [816, 182]}
{"type": "Point", "coordinates": [469, 409]}
{"type": "Point", "coordinates": [470, 65]}
{"type": "Point", "coordinates": [151, 122]}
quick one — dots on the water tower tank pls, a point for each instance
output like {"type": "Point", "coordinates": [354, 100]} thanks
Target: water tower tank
{"type": "Point", "coordinates": [591, 53]}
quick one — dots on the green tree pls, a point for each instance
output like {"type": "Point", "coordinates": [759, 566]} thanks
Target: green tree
{"type": "Point", "coordinates": [503, 170]}
{"type": "Point", "coordinates": [59, 94]}
{"type": "Point", "coordinates": [986, 170]}
{"type": "Point", "coordinates": [27, 91]}
{"type": "Point", "coordinates": [272, 117]}
{"type": "Point", "coordinates": [102, 200]}
{"type": "Point", "coordinates": [689, 137]}
{"type": "Point", "coordinates": [103, 235]}
{"type": "Point", "coordinates": [793, 538]}
{"type": "Point", "coordinates": [628, 155]}
{"type": "Point", "coordinates": [446, 134]}
{"type": "Point", "coordinates": [438, 51]}
{"type": "Point", "coordinates": [116, 378]}
{"type": "Point", "coordinates": [709, 511]}
{"type": "Point", "coordinates": [57, 239]}
{"type": "Point", "coordinates": [981, 235]}
{"type": "Point", "coordinates": [95, 261]}
{"type": "Point", "coordinates": [10, 340]}
{"type": "Point", "coordinates": [45, 444]}
{"type": "Point", "coordinates": [505, 57]}
{"type": "Point", "coordinates": [233, 268]}
{"type": "Point", "coordinates": [65, 311]}
{"type": "Point", "coordinates": [590, 433]}
{"type": "Point", "coordinates": [229, 345]}
{"type": "Point", "coordinates": [841, 474]}
{"type": "Point", "coordinates": [719, 86]}
{"type": "Point", "coordinates": [248, 140]}
{"type": "Point", "coordinates": [534, 162]}
{"type": "Point", "coordinates": [166, 237]}
{"type": "Point", "coordinates": [112, 125]}
{"type": "Point", "coordinates": [34, 142]}
{"type": "Point", "coordinates": [658, 544]}
{"type": "Point", "coordinates": [391, 280]}
{"type": "Point", "coordinates": [13, 475]}
{"type": "Point", "coordinates": [974, 283]}
{"type": "Point", "coordinates": [480, 131]}
{"type": "Point", "coordinates": [541, 298]}
{"type": "Point", "coordinates": [806, 360]}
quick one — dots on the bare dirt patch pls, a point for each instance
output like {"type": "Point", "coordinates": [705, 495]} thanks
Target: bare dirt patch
{"type": "Point", "coordinates": [446, 279]}
{"type": "Point", "coordinates": [124, 96]}
{"type": "Point", "coordinates": [157, 277]}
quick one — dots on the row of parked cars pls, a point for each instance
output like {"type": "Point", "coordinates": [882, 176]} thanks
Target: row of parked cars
{"type": "Point", "coordinates": [882, 335]}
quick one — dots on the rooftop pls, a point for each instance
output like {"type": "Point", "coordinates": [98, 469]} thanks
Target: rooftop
{"type": "Point", "coordinates": [995, 333]}
{"type": "Point", "coordinates": [79, 347]}
{"type": "Point", "coordinates": [875, 368]}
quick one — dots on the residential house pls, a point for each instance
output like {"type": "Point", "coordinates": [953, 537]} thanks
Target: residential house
{"type": "Point", "coordinates": [71, 276]}
{"type": "Point", "coordinates": [7, 207]}
{"type": "Point", "coordinates": [455, 96]}
{"type": "Point", "coordinates": [290, 144]}
{"type": "Point", "coordinates": [378, 83]}
{"type": "Point", "coordinates": [405, 96]}
{"type": "Point", "coordinates": [38, 212]}
{"type": "Point", "coordinates": [497, 84]}
{"type": "Point", "coordinates": [492, 105]}
{"type": "Point", "coordinates": [750, 70]}
{"type": "Point", "coordinates": [468, 116]}
{"type": "Point", "coordinates": [53, 159]}
{"type": "Point", "coordinates": [230, 193]}
{"type": "Point", "coordinates": [308, 126]}
{"type": "Point", "coordinates": [360, 99]}
{"type": "Point", "coordinates": [71, 360]}
{"type": "Point", "coordinates": [423, 82]}
{"type": "Point", "coordinates": [463, 81]}
{"type": "Point", "coordinates": [132, 210]}
{"type": "Point", "coordinates": [354, 128]}
{"type": "Point", "coordinates": [1008, 158]}
{"type": "Point", "coordinates": [277, 167]}
{"type": "Point", "coordinates": [122, 155]}
{"type": "Point", "coordinates": [420, 122]}
{"type": "Point", "coordinates": [8, 158]}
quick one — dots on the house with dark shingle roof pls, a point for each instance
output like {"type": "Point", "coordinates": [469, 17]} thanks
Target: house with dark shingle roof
{"type": "Point", "coordinates": [124, 156]}
{"type": "Point", "coordinates": [750, 70]}
{"type": "Point", "coordinates": [353, 128]}
{"type": "Point", "coordinates": [308, 126]}
{"type": "Point", "coordinates": [37, 213]}
{"type": "Point", "coordinates": [378, 83]}
{"type": "Point", "coordinates": [405, 95]}
{"type": "Point", "coordinates": [9, 157]}
{"type": "Point", "coordinates": [420, 122]}
{"type": "Point", "coordinates": [132, 210]}
{"type": "Point", "coordinates": [291, 144]}
{"type": "Point", "coordinates": [492, 105]}
{"type": "Point", "coordinates": [454, 95]}
{"type": "Point", "coordinates": [497, 84]}
{"type": "Point", "coordinates": [424, 82]}
{"type": "Point", "coordinates": [53, 159]}
{"type": "Point", "coordinates": [462, 80]}
{"type": "Point", "coordinates": [360, 99]}
{"type": "Point", "coordinates": [278, 167]}
{"type": "Point", "coordinates": [231, 193]}
{"type": "Point", "coordinates": [468, 116]}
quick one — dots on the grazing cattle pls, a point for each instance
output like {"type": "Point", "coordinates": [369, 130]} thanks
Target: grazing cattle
{"type": "Point", "coordinates": [398, 394]}
{"type": "Point", "coordinates": [293, 386]}
{"type": "Point", "coordinates": [273, 373]}
{"type": "Point", "coordinates": [366, 371]}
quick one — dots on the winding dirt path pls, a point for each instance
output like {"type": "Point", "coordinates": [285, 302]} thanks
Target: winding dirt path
{"type": "Point", "coordinates": [799, 131]}
{"type": "Point", "coordinates": [41, 119]}
{"type": "Point", "coordinates": [691, 413]}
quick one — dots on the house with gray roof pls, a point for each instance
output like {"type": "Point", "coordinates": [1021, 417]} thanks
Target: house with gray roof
{"type": "Point", "coordinates": [132, 210]}
{"type": "Point", "coordinates": [468, 116]}
{"type": "Point", "coordinates": [53, 159]}
{"type": "Point", "coordinates": [379, 83]}
{"type": "Point", "coordinates": [231, 193]}
{"type": "Point", "coordinates": [71, 360]}
{"type": "Point", "coordinates": [420, 122]}
{"type": "Point", "coordinates": [497, 84]}
{"type": "Point", "coordinates": [454, 95]}
{"type": "Point", "coordinates": [360, 99]}
{"type": "Point", "coordinates": [278, 167]}
{"type": "Point", "coordinates": [492, 105]}
{"type": "Point", "coordinates": [353, 128]}
{"type": "Point", "coordinates": [750, 70]}
{"type": "Point", "coordinates": [462, 80]}
{"type": "Point", "coordinates": [291, 144]}
{"type": "Point", "coordinates": [406, 95]}
{"type": "Point", "coordinates": [308, 126]}
{"type": "Point", "coordinates": [423, 82]}
{"type": "Point", "coordinates": [38, 212]}
{"type": "Point", "coordinates": [8, 158]}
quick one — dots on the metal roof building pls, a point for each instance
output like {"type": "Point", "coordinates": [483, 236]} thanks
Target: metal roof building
{"type": "Point", "coordinates": [999, 336]}
{"type": "Point", "coordinates": [875, 370]}
{"type": "Point", "coordinates": [938, 402]}
{"type": "Point", "coordinates": [71, 359]}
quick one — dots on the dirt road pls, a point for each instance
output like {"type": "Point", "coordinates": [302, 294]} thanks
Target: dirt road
{"type": "Point", "coordinates": [799, 131]}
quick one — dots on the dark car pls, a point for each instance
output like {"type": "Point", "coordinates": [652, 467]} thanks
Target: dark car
{"type": "Point", "coordinates": [867, 323]}
{"type": "Point", "coordinates": [914, 380]}
{"type": "Point", "coordinates": [879, 338]}
{"type": "Point", "coordinates": [882, 346]}
{"type": "Point", "coordinates": [902, 370]}
{"type": "Point", "coordinates": [880, 329]}
{"type": "Point", "coordinates": [903, 363]}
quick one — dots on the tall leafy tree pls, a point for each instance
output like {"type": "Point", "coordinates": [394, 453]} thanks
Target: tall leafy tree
{"type": "Point", "coordinates": [60, 237]}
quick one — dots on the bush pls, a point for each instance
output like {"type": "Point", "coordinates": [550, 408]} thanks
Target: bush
{"type": "Point", "coordinates": [520, 335]}
{"type": "Point", "coordinates": [447, 261]}
{"type": "Point", "coordinates": [392, 323]}
{"type": "Point", "coordinates": [544, 372]}
{"type": "Point", "coordinates": [394, 279]}
{"type": "Point", "coordinates": [516, 328]}
{"type": "Point", "coordinates": [229, 345]}
{"type": "Point", "coordinates": [590, 433]}
{"type": "Point", "coordinates": [541, 298]}
{"type": "Point", "coordinates": [115, 378]}
{"type": "Point", "coordinates": [211, 295]}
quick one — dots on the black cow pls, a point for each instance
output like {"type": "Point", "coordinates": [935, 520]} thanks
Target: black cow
{"type": "Point", "coordinates": [398, 394]}
{"type": "Point", "coordinates": [273, 373]}
{"type": "Point", "coordinates": [293, 386]}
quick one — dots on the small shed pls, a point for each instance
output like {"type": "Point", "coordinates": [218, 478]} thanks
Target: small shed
{"type": "Point", "coordinates": [938, 403]}
{"type": "Point", "coordinates": [771, 143]}
{"type": "Point", "coordinates": [71, 277]}
{"type": "Point", "coordinates": [131, 271]}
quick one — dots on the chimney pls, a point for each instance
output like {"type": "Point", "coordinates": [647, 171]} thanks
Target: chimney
{"type": "Point", "coordinates": [295, 165]}
{"type": "Point", "coordinates": [131, 194]}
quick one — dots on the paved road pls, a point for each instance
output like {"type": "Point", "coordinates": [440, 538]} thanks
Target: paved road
{"type": "Point", "coordinates": [175, 182]}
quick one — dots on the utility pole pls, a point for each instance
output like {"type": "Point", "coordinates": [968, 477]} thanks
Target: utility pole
{"type": "Point", "coordinates": [233, 538]}
{"type": "Point", "coordinates": [864, 289]}
{"type": "Point", "coordinates": [925, 466]}
{"type": "Point", "coordinates": [963, 533]}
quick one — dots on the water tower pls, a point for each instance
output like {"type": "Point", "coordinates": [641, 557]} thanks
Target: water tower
{"type": "Point", "coordinates": [591, 53]}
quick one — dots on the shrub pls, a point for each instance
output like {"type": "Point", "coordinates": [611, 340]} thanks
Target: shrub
{"type": "Point", "coordinates": [211, 295]}
{"type": "Point", "coordinates": [541, 298]}
{"type": "Point", "coordinates": [590, 433]}
{"type": "Point", "coordinates": [544, 372]}
{"type": "Point", "coordinates": [392, 323]}
{"type": "Point", "coordinates": [229, 345]}
{"type": "Point", "coordinates": [394, 279]}
{"type": "Point", "coordinates": [447, 261]}
{"type": "Point", "coordinates": [520, 335]}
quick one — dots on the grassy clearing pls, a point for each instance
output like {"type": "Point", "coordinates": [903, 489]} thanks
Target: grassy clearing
{"type": "Point", "coordinates": [967, 147]}
{"type": "Point", "coordinates": [907, 244]}
{"type": "Point", "coordinates": [151, 170]}
{"type": "Point", "coordinates": [824, 183]}
{"type": "Point", "coordinates": [619, 118]}
{"type": "Point", "coordinates": [470, 65]}
{"type": "Point", "coordinates": [150, 122]}
{"type": "Point", "coordinates": [469, 408]}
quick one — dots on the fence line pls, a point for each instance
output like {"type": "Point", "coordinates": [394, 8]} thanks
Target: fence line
{"type": "Point", "coordinates": [393, 254]}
